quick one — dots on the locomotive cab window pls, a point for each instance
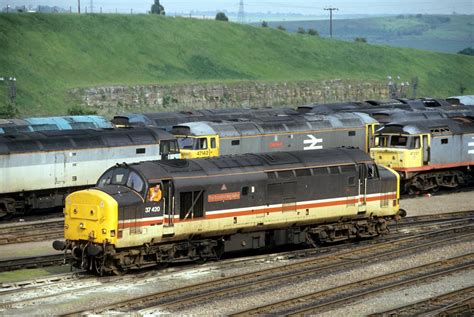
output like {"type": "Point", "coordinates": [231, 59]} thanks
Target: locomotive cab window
{"type": "Point", "coordinates": [116, 176]}
{"type": "Point", "coordinates": [398, 141]}
{"type": "Point", "coordinates": [135, 182]}
{"type": "Point", "coordinates": [201, 144]}
{"type": "Point", "coordinates": [213, 143]}
{"type": "Point", "coordinates": [372, 171]}
{"type": "Point", "coordinates": [155, 192]}
{"type": "Point", "coordinates": [381, 141]}
{"type": "Point", "coordinates": [105, 179]}
{"type": "Point", "coordinates": [185, 143]}
{"type": "Point", "coordinates": [168, 147]}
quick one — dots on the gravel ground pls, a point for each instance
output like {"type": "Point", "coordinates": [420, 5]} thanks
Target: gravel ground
{"type": "Point", "coordinates": [385, 300]}
{"type": "Point", "coordinates": [102, 294]}
{"type": "Point", "coordinates": [427, 205]}
{"type": "Point", "coordinates": [233, 305]}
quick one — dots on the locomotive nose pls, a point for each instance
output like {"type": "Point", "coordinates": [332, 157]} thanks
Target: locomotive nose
{"type": "Point", "coordinates": [90, 215]}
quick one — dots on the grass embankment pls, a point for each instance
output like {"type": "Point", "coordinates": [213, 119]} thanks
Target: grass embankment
{"type": "Point", "coordinates": [52, 53]}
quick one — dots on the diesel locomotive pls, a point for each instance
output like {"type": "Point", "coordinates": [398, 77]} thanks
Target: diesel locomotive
{"type": "Point", "coordinates": [405, 105]}
{"type": "Point", "coordinates": [38, 169]}
{"type": "Point", "coordinates": [428, 154]}
{"type": "Point", "coordinates": [166, 120]}
{"type": "Point", "coordinates": [166, 211]}
{"type": "Point", "coordinates": [274, 134]}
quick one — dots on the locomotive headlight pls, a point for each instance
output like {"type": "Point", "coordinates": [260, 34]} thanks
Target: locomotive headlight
{"type": "Point", "coordinates": [104, 231]}
{"type": "Point", "coordinates": [82, 225]}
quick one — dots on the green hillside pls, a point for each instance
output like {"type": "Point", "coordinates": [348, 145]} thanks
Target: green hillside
{"type": "Point", "coordinates": [52, 53]}
{"type": "Point", "coordinates": [441, 33]}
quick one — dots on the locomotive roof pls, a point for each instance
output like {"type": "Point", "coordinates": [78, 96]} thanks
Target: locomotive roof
{"type": "Point", "coordinates": [467, 100]}
{"type": "Point", "coordinates": [55, 140]}
{"type": "Point", "coordinates": [440, 126]}
{"type": "Point", "coordinates": [12, 122]}
{"type": "Point", "coordinates": [398, 115]}
{"type": "Point", "coordinates": [409, 105]}
{"type": "Point", "coordinates": [274, 124]}
{"type": "Point", "coordinates": [235, 164]}
{"type": "Point", "coordinates": [166, 120]}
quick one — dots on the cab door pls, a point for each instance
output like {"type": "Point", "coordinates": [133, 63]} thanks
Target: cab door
{"type": "Point", "coordinates": [214, 145]}
{"type": "Point", "coordinates": [168, 209]}
{"type": "Point", "coordinates": [202, 147]}
{"type": "Point", "coordinates": [362, 200]}
{"type": "Point", "coordinates": [426, 149]}
{"type": "Point", "coordinates": [369, 142]}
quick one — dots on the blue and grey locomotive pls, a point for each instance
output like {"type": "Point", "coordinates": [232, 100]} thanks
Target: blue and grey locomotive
{"type": "Point", "coordinates": [38, 169]}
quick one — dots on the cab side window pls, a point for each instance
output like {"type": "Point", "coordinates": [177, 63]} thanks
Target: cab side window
{"type": "Point", "coordinates": [372, 171]}
{"type": "Point", "coordinates": [202, 144]}
{"type": "Point", "coordinates": [154, 193]}
{"type": "Point", "coordinates": [213, 143]}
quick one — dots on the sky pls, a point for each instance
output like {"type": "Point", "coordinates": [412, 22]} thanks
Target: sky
{"type": "Point", "coordinates": [275, 6]}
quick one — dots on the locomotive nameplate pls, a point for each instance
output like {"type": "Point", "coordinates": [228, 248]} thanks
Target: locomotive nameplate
{"type": "Point", "coordinates": [223, 197]}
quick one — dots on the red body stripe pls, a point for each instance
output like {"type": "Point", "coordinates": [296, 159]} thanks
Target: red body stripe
{"type": "Point", "coordinates": [432, 167]}
{"type": "Point", "coordinates": [261, 211]}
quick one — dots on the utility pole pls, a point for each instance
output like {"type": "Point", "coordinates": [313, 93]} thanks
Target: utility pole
{"type": "Point", "coordinates": [11, 88]}
{"type": "Point", "coordinates": [241, 15]}
{"type": "Point", "coordinates": [79, 6]}
{"type": "Point", "coordinates": [330, 18]}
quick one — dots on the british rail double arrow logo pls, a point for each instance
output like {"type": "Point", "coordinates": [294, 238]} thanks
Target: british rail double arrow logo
{"type": "Point", "coordinates": [313, 143]}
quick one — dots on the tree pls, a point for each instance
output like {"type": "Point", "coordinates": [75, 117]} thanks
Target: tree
{"type": "Point", "coordinates": [9, 111]}
{"type": "Point", "coordinates": [264, 24]}
{"type": "Point", "coordinates": [220, 16]}
{"type": "Point", "coordinates": [313, 32]}
{"type": "Point", "coordinates": [281, 28]}
{"type": "Point", "coordinates": [467, 51]}
{"type": "Point", "coordinates": [301, 30]}
{"type": "Point", "coordinates": [157, 8]}
{"type": "Point", "coordinates": [360, 39]}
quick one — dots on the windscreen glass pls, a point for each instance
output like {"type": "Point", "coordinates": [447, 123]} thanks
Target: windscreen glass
{"type": "Point", "coordinates": [117, 176]}
{"type": "Point", "coordinates": [135, 182]}
{"type": "Point", "coordinates": [186, 143]}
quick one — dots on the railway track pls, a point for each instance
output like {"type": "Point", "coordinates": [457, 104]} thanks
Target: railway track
{"type": "Point", "coordinates": [457, 303]}
{"type": "Point", "coordinates": [415, 224]}
{"type": "Point", "coordinates": [32, 262]}
{"type": "Point", "coordinates": [182, 298]}
{"type": "Point", "coordinates": [331, 298]}
{"type": "Point", "coordinates": [30, 232]}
